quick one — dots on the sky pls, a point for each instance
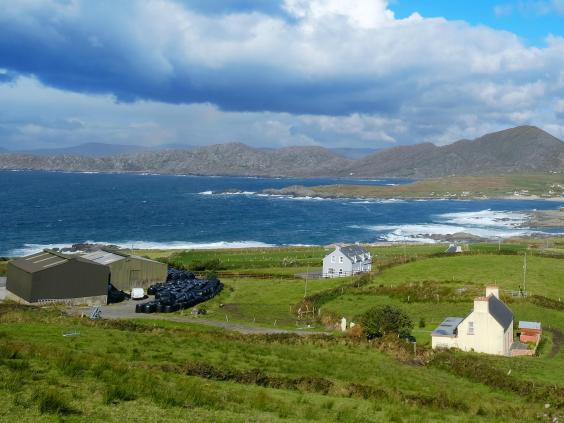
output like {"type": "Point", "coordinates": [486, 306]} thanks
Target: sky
{"type": "Point", "coordinates": [275, 73]}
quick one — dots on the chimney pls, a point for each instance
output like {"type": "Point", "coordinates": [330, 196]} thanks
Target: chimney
{"type": "Point", "coordinates": [492, 290]}
{"type": "Point", "coordinates": [481, 305]}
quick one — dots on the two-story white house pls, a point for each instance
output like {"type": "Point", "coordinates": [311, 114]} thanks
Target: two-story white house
{"type": "Point", "coordinates": [487, 329]}
{"type": "Point", "coordinates": [347, 261]}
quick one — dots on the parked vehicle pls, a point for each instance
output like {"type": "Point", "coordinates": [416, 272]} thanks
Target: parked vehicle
{"type": "Point", "coordinates": [137, 294]}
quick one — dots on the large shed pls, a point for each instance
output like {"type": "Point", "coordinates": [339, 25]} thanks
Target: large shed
{"type": "Point", "coordinates": [129, 271]}
{"type": "Point", "coordinates": [51, 276]}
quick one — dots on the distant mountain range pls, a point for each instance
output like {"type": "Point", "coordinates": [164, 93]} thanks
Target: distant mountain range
{"type": "Point", "coordinates": [521, 149]}
{"type": "Point", "coordinates": [103, 150]}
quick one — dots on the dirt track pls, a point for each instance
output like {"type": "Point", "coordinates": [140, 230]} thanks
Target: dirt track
{"type": "Point", "coordinates": [126, 310]}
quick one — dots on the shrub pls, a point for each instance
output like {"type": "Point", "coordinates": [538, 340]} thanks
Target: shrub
{"type": "Point", "coordinates": [355, 332]}
{"type": "Point", "coordinates": [422, 322]}
{"type": "Point", "coordinates": [212, 264]}
{"type": "Point", "coordinates": [52, 402]}
{"type": "Point", "coordinates": [117, 393]}
{"type": "Point", "coordinates": [382, 320]}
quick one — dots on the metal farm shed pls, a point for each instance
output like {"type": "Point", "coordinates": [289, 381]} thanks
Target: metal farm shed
{"type": "Point", "coordinates": [50, 276]}
{"type": "Point", "coordinates": [129, 271]}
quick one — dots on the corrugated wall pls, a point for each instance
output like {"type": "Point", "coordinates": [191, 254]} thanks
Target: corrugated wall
{"type": "Point", "coordinates": [74, 279]}
{"type": "Point", "coordinates": [18, 282]}
{"type": "Point", "coordinates": [136, 273]}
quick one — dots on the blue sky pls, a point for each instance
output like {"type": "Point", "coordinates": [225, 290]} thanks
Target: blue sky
{"type": "Point", "coordinates": [532, 20]}
{"type": "Point", "coordinates": [337, 73]}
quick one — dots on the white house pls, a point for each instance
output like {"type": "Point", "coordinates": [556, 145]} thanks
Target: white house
{"type": "Point", "coordinates": [487, 329]}
{"type": "Point", "coordinates": [347, 261]}
{"type": "Point", "coordinates": [453, 248]}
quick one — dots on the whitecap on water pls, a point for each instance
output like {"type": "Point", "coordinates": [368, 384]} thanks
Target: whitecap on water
{"type": "Point", "coordinates": [29, 249]}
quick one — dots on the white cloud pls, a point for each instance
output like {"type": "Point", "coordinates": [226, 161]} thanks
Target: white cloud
{"type": "Point", "coordinates": [337, 73]}
{"type": "Point", "coordinates": [365, 14]}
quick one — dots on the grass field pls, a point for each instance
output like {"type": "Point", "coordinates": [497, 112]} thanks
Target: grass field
{"type": "Point", "coordinates": [156, 370]}
{"type": "Point", "coordinates": [545, 276]}
{"type": "Point", "coordinates": [269, 297]}
{"type": "Point", "coordinates": [148, 371]}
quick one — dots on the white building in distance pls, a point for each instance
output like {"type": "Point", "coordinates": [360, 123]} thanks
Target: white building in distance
{"type": "Point", "coordinates": [487, 329]}
{"type": "Point", "coordinates": [347, 261]}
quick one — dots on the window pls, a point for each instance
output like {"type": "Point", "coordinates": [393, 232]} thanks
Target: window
{"type": "Point", "coordinates": [331, 270]}
{"type": "Point", "coordinates": [470, 328]}
{"type": "Point", "coordinates": [340, 271]}
{"type": "Point", "coordinates": [341, 259]}
{"type": "Point", "coordinates": [332, 259]}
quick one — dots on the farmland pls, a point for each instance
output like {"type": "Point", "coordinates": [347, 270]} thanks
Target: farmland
{"type": "Point", "coordinates": [165, 370]}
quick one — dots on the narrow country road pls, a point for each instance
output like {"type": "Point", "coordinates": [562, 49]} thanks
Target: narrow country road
{"type": "Point", "coordinates": [126, 310]}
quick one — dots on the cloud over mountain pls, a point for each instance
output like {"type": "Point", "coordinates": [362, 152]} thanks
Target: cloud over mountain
{"type": "Point", "coordinates": [311, 65]}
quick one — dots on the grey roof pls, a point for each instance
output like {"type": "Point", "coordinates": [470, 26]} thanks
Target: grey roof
{"type": "Point", "coordinates": [103, 257]}
{"type": "Point", "coordinates": [353, 250]}
{"type": "Point", "coordinates": [529, 325]}
{"type": "Point", "coordinates": [500, 311]}
{"type": "Point", "coordinates": [44, 260]}
{"type": "Point", "coordinates": [106, 256]}
{"type": "Point", "coordinates": [447, 327]}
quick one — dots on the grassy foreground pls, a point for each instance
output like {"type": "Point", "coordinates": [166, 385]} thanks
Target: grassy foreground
{"type": "Point", "coordinates": [148, 371]}
{"type": "Point", "coordinates": [115, 371]}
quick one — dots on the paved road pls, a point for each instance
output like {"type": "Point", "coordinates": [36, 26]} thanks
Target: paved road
{"type": "Point", "coordinates": [126, 310]}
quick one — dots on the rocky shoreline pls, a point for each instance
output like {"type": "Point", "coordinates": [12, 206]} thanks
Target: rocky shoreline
{"type": "Point", "coordinates": [300, 191]}
{"type": "Point", "coordinates": [546, 218]}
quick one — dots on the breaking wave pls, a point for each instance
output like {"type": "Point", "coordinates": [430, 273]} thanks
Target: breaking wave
{"type": "Point", "coordinates": [485, 218]}
{"type": "Point", "coordinates": [487, 224]}
{"type": "Point", "coordinates": [29, 249]}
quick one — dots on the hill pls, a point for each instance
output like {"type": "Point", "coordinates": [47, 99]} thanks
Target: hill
{"type": "Point", "coordinates": [525, 149]}
{"type": "Point", "coordinates": [520, 149]}
{"type": "Point", "coordinates": [221, 159]}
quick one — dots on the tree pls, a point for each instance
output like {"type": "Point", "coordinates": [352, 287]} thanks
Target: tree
{"type": "Point", "coordinates": [385, 319]}
{"type": "Point", "coordinates": [422, 322]}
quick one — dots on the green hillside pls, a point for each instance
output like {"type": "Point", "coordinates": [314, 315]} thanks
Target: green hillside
{"type": "Point", "coordinates": [157, 369]}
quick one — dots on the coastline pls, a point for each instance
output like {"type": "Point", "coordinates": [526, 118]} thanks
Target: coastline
{"type": "Point", "coordinates": [296, 191]}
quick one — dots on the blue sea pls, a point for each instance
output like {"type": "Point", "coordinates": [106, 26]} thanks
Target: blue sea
{"type": "Point", "coordinates": [47, 209]}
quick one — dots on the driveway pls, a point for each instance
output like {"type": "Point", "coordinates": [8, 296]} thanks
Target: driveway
{"type": "Point", "coordinates": [126, 310]}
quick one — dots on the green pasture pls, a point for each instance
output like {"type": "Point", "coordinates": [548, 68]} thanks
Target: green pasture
{"type": "Point", "coordinates": [155, 371]}
{"type": "Point", "coordinates": [264, 302]}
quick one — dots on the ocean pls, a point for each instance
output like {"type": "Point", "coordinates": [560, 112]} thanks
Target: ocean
{"type": "Point", "coordinates": [55, 209]}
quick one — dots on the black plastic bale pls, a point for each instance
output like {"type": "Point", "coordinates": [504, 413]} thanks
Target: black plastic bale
{"type": "Point", "coordinates": [182, 290]}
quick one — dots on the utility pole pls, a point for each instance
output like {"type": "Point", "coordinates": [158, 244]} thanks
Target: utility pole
{"type": "Point", "coordinates": [525, 273]}
{"type": "Point", "coordinates": [306, 276]}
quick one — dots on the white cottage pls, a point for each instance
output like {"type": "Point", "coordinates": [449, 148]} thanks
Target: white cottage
{"type": "Point", "coordinates": [347, 261]}
{"type": "Point", "coordinates": [487, 329]}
